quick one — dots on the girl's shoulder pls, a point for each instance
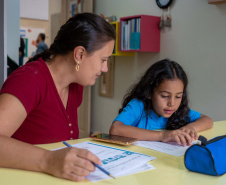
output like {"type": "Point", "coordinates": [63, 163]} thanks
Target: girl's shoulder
{"type": "Point", "coordinates": [194, 115]}
{"type": "Point", "coordinates": [136, 106]}
{"type": "Point", "coordinates": [193, 112]}
{"type": "Point", "coordinates": [136, 102]}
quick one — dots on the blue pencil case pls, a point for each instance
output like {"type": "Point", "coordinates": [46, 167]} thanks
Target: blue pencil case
{"type": "Point", "coordinates": [209, 157]}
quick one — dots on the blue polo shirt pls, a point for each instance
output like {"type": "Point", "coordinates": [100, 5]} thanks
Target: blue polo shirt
{"type": "Point", "coordinates": [41, 47]}
{"type": "Point", "coordinates": [134, 115]}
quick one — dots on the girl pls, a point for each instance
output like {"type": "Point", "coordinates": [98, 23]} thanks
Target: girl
{"type": "Point", "coordinates": [160, 101]}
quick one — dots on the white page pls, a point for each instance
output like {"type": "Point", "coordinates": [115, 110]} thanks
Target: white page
{"type": "Point", "coordinates": [115, 161]}
{"type": "Point", "coordinates": [94, 177]}
{"type": "Point", "coordinates": [171, 148]}
{"type": "Point", "coordinates": [142, 168]}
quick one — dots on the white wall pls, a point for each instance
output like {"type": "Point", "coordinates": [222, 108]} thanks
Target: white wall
{"type": "Point", "coordinates": [54, 6]}
{"type": "Point", "coordinates": [3, 35]}
{"type": "Point", "coordinates": [13, 29]}
{"type": "Point", "coordinates": [54, 18]}
{"type": "Point", "coordinates": [9, 34]}
{"type": "Point", "coordinates": [197, 40]}
{"type": "Point", "coordinates": [34, 9]}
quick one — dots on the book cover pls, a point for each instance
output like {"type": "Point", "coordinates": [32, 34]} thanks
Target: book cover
{"type": "Point", "coordinates": [135, 40]}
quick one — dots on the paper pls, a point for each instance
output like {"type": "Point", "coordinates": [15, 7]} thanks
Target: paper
{"type": "Point", "coordinates": [98, 175]}
{"type": "Point", "coordinates": [171, 148]}
{"type": "Point", "coordinates": [116, 161]}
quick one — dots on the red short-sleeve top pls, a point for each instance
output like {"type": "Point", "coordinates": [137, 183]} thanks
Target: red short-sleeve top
{"type": "Point", "coordinates": [47, 120]}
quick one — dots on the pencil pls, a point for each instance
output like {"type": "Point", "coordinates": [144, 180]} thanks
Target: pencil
{"type": "Point", "coordinates": [96, 165]}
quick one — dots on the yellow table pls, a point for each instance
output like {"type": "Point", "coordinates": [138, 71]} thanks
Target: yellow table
{"type": "Point", "coordinates": [170, 170]}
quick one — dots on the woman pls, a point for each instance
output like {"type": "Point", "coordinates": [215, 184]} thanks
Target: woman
{"type": "Point", "coordinates": [39, 101]}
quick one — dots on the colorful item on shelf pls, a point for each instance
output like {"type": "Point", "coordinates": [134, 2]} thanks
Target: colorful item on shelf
{"type": "Point", "coordinates": [112, 18]}
{"type": "Point", "coordinates": [135, 40]}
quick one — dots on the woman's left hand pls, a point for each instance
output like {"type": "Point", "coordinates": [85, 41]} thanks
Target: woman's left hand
{"type": "Point", "coordinates": [191, 131]}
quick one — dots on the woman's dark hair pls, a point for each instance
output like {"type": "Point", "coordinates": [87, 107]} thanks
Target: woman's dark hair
{"type": "Point", "coordinates": [85, 29]}
{"type": "Point", "coordinates": [153, 77]}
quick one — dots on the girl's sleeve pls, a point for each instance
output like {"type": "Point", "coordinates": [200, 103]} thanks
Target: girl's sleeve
{"type": "Point", "coordinates": [194, 115]}
{"type": "Point", "coordinates": [132, 113]}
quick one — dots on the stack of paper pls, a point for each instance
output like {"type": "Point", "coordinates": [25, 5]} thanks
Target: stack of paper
{"type": "Point", "coordinates": [116, 161]}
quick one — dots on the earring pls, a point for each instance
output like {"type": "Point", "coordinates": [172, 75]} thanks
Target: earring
{"type": "Point", "coordinates": [77, 65]}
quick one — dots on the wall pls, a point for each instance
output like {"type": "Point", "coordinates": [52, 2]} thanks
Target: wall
{"type": "Point", "coordinates": [196, 40]}
{"type": "Point", "coordinates": [13, 29]}
{"type": "Point", "coordinates": [34, 14]}
{"type": "Point", "coordinates": [54, 18]}
{"type": "Point", "coordinates": [40, 25]}
{"type": "Point", "coordinates": [35, 23]}
{"type": "Point", "coordinates": [3, 50]}
{"type": "Point", "coordinates": [40, 21]}
{"type": "Point", "coordinates": [40, 16]}
{"type": "Point", "coordinates": [35, 9]}
{"type": "Point", "coordinates": [9, 39]}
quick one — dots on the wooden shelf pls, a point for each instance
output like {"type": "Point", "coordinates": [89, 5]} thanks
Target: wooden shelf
{"type": "Point", "coordinates": [149, 37]}
{"type": "Point", "coordinates": [216, 1]}
{"type": "Point", "coordinates": [116, 51]}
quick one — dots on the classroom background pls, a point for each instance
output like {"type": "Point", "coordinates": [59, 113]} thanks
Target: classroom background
{"type": "Point", "coordinates": [196, 40]}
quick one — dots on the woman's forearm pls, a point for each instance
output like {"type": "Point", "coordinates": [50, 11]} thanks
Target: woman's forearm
{"type": "Point", "coordinates": [69, 163]}
{"type": "Point", "coordinates": [20, 155]}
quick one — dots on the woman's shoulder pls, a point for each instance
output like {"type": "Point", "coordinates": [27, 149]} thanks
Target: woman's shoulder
{"type": "Point", "coordinates": [38, 65]}
{"type": "Point", "coordinates": [28, 83]}
{"type": "Point", "coordinates": [28, 76]}
{"type": "Point", "coordinates": [30, 71]}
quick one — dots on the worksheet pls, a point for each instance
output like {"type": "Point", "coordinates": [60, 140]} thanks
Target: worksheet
{"type": "Point", "coordinates": [171, 148]}
{"type": "Point", "coordinates": [116, 161]}
{"type": "Point", "coordinates": [98, 175]}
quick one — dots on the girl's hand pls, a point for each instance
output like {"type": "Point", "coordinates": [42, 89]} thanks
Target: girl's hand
{"type": "Point", "coordinates": [70, 163]}
{"type": "Point", "coordinates": [191, 131]}
{"type": "Point", "coordinates": [179, 136]}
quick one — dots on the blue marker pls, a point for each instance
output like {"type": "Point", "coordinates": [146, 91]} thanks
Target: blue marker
{"type": "Point", "coordinates": [96, 165]}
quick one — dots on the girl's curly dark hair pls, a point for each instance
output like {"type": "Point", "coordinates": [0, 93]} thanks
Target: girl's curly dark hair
{"type": "Point", "coordinates": [153, 77]}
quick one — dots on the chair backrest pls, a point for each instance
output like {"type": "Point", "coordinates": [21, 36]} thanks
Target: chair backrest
{"type": "Point", "coordinates": [12, 65]}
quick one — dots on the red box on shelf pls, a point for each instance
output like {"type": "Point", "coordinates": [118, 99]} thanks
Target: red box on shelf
{"type": "Point", "coordinates": [149, 33]}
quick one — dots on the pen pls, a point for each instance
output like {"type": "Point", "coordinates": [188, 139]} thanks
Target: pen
{"type": "Point", "coordinates": [96, 165]}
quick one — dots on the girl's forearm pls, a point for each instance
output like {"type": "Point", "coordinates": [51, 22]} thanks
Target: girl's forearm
{"type": "Point", "coordinates": [201, 124]}
{"type": "Point", "coordinates": [118, 128]}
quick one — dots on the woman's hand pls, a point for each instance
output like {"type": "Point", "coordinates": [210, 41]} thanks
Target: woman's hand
{"type": "Point", "coordinates": [191, 131]}
{"type": "Point", "coordinates": [179, 136]}
{"type": "Point", "coordinates": [70, 163]}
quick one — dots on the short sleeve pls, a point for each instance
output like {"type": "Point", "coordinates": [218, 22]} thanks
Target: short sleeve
{"type": "Point", "coordinates": [194, 115]}
{"type": "Point", "coordinates": [28, 84]}
{"type": "Point", "coordinates": [132, 113]}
